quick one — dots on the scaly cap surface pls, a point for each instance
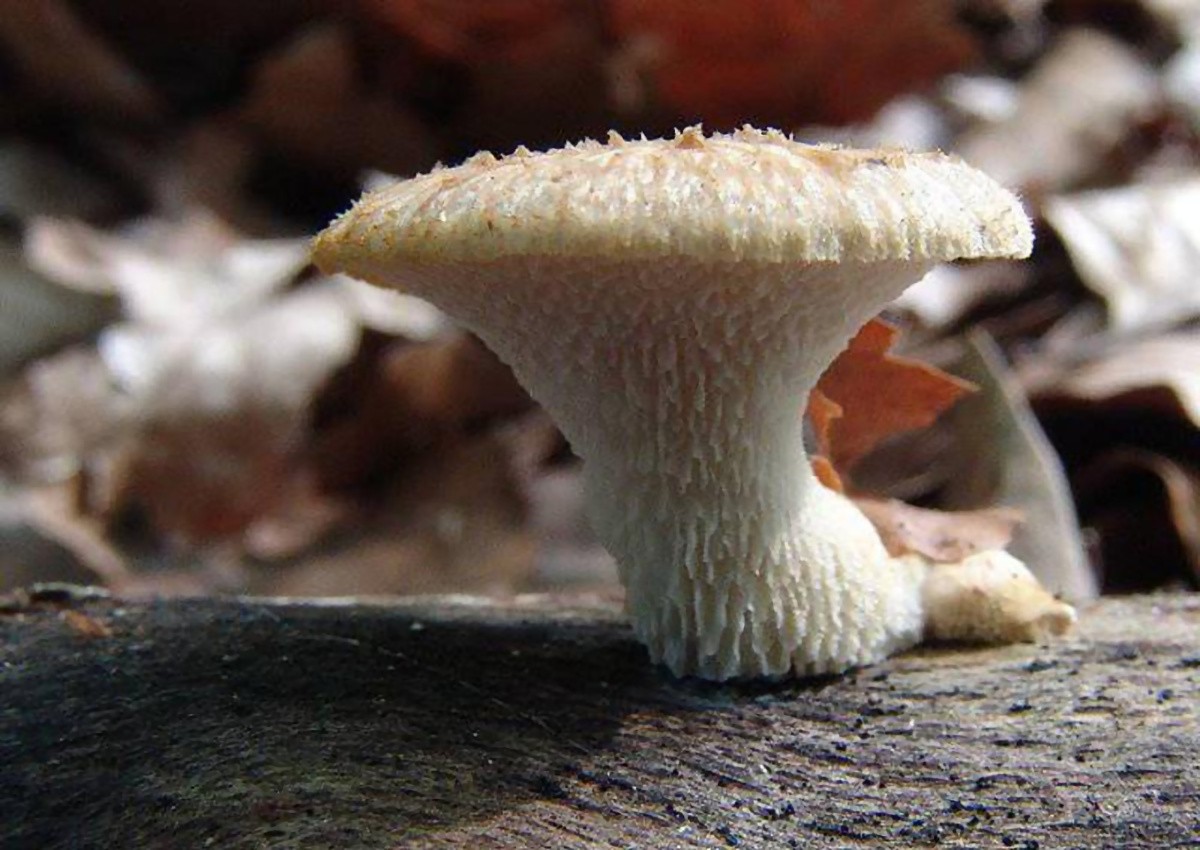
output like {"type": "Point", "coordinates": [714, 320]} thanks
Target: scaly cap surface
{"type": "Point", "coordinates": [749, 195]}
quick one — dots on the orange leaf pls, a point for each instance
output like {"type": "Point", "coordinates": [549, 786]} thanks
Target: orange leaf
{"type": "Point", "coordinates": [826, 474]}
{"type": "Point", "coordinates": [879, 394]}
{"type": "Point", "coordinates": [784, 62]}
{"type": "Point", "coordinates": [822, 411]}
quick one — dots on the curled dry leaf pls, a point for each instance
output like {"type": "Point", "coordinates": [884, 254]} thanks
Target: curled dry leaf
{"type": "Point", "coordinates": [939, 536]}
{"type": "Point", "coordinates": [785, 63]}
{"type": "Point", "coordinates": [877, 395]}
{"type": "Point", "coordinates": [1137, 247]}
{"type": "Point", "coordinates": [60, 411]}
{"type": "Point", "coordinates": [209, 379]}
{"type": "Point", "coordinates": [1159, 374]}
{"type": "Point", "coordinates": [1181, 15]}
{"type": "Point", "coordinates": [394, 313]}
{"type": "Point", "coordinates": [1081, 100]}
{"type": "Point", "coordinates": [39, 317]}
{"type": "Point", "coordinates": [224, 411]}
{"type": "Point", "coordinates": [56, 512]}
{"type": "Point", "coordinates": [454, 522]}
{"type": "Point", "coordinates": [1004, 458]}
{"type": "Point", "coordinates": [166, 273]}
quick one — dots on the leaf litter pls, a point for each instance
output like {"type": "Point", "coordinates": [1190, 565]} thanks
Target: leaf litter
{"type": "Point", "coordinates": [213, 416]}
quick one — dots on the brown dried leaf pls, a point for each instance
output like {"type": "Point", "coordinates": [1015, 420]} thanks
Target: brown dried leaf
{"type": "Point", "coordinates": [214, 372]}
{"type": "Point", "coordinates": [464, 31]}
{"type": "Point", "coordinates": [1137, 247]}
{"type": "Point", "coordinates": [879, 394]}
{"type": "Point", "coordinates": [454, 522]}
{"type": "Point", "coordinates": [940, 536]}
{"type": "Point", "coordinates": [1085, 95]}
{"type": "Point", "coordinates": [309, 101]}
{"type": "Point", "coordinates": [1157, 374]}
{"type": "Point", "coordinates": [418, 395]}
{"type": "Point", "coordinates": [222, 414]}
{"type": "Point", "coordinates": [781, 62]}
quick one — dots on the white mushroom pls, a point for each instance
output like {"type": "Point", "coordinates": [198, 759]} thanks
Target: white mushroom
{"type": "Point", "coordinates": [671, 303]}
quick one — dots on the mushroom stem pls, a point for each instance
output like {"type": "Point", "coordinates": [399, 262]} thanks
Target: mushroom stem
{"type": "Point", "coordinates": [736, 561]}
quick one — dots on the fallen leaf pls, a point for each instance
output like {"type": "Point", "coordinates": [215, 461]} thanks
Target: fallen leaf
{"type": "Point", "coordinates": [1004, 459]}
{"type": "Point", "coordinates": [454, 522]}
{"type": "Point", "coordinates": [948, 293]}
{"type": "Point", "coordinates": [166, 273]}
{"type": "Point", "coordinates": [1137, 247]}
{"type": "Point", "coordinates": [222, 415]}
{"type": "Point", "coordinates": [1160, 374]}
{"type": "Point", "coordinates": [212, 373]}
{"type": "Point", "coordinates": [309, 100]}
{"type": "Point", "coordinates": [909, 121]}
{"type": "Point", "coordinates": [879, 395]}
{"type": "Point", "coordinates": [395, 313]}
{"type": "Point", "coordinates": [84, 625]}
{"type": "Point", "coordinates": [418, 395]}
{"type": "Point", "coordinates": [1181, 82]}
{"type": "Point", "coordinates": [39, 317]}
{"type": "Point", "coordinates": [782, 63]}
{"type": "Point", "coordinates": [463, 31]}
{"type": "Point", "coordinates": [58, 414]}
{"type": "Point", "coordinates": [939, 536]}
{"type": "Point", "coordinates": [1083, 97]}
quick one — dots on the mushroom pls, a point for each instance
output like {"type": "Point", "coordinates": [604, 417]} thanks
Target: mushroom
{"type": "Point", "coordinates": [671, 303]}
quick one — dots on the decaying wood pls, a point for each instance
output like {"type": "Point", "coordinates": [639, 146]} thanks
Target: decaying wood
{"type": "Point", "coordinates": [539, 723]}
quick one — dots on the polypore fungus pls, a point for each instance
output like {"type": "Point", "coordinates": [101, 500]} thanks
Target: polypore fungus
{"type": "Point", "coordinates": [671, 303]}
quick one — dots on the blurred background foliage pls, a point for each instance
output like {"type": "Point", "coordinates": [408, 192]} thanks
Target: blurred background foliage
{"type": "Point", "coordinates": [187, 407]}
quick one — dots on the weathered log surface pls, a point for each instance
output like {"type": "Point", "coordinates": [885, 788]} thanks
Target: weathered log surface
{"type": "Point", "coordinates": [248, 724]}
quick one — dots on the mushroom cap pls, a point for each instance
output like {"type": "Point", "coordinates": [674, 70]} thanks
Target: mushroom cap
{"type": "Point", "coordinates": [744, 196]}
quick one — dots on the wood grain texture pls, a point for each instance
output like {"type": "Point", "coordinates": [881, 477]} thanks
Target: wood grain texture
{"type": "Point", "coordinates": [538, 723]}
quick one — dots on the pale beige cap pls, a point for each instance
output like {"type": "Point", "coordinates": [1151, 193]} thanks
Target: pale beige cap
{"type": "Point", "coordinates": [746, 196]}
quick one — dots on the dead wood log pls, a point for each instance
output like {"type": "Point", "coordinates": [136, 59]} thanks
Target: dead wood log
{"type": "Point", "coordinates": [538, 723]}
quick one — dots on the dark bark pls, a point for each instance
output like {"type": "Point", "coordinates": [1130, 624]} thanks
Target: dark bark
{"type": "Point", "coordinates": [247, 724]}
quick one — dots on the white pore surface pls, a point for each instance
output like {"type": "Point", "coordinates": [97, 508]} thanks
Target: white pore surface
{"type": "Point", "coordinates": [682, 385]}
